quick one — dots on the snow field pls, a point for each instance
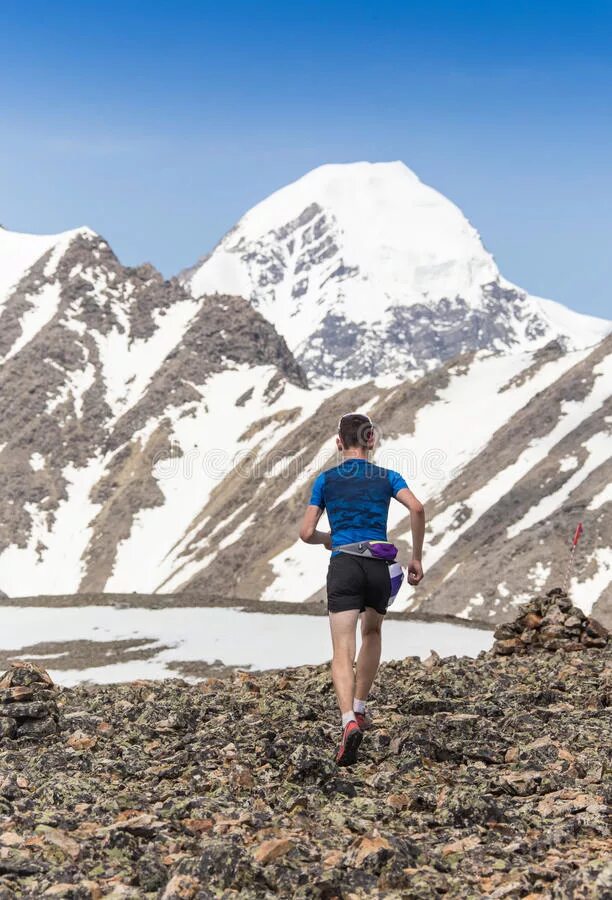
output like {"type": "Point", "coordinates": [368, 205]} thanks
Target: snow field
{"type": "Point", "coordinates": [211, 634]}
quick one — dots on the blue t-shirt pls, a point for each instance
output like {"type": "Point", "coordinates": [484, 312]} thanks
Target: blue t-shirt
{"type": "Point", "coordinates": [356, 495]}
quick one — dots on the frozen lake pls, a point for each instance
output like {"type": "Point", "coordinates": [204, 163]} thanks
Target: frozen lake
{"type": "Point", "coordinates": [232, 636]}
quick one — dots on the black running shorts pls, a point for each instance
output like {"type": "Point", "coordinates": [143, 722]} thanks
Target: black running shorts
{"type": "Point", "coordinates": [357, 582]}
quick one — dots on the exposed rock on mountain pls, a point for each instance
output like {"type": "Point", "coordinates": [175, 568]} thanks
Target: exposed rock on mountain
{"type": "Point", "coordinates": [366, 271]}
{"type": "Point", "coordinates": [484, 778]}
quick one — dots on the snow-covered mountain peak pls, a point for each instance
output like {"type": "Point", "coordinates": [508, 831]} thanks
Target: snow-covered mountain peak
{"type": "Point", "coordinates": [365, 270]}
{"type": "Point", "coordinates": [393, 227]}
{"type": "Point", "coordinates": [342, 188]}
{"type": "Point", "coordinates": [396, 239]}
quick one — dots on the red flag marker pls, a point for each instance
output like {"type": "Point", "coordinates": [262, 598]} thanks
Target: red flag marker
{"type": "Point", "coordinates": [577, 534]}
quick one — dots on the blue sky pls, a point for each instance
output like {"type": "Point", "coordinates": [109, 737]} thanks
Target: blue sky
{"type": "Point", "coordinates": [159, 124]}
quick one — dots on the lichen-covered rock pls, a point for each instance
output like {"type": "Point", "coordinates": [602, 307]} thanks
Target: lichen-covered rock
{"type": "Point", "coordinates": [35, 709]}
{"type": "Point", "coordinates": [22, 672]}
{"type": "Point", "coordinates": [37, 727]}
{"type": "Point", "coordinates": [484, 777]}
{"type": "Point", "coordinates": [8, 726]}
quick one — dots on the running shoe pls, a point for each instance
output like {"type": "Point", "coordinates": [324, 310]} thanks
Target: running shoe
{"type": "Point", "coordinates": [363, 720]}
{"type": "Point", "coordinates": [352, 737]}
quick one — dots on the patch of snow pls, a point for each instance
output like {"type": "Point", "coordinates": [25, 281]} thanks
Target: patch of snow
{"type": "Point", "coordinates": [578, 329]}
{"type": "Point", "coordinates": [300, 570]}
{"type": "Point", "coordinates": [45, 304]}
{"type": "Point", "coordinates": [604, 496]}
{"type": "Point", "coordinates": [442, 443]}
{"type": "Point", "coordinates": [466, 613]}
{"type": "Point", "coordinates": [76, 385]}
{"type": "Point", "coordinates": [128, 365]}
{"type": "Point", "coordinates": [520, 598]}
{"type": "Point", "coordinates": [183, 571]}
{"type": "Point", "coordinates": [37, 461]}
{"type": "Point", "coordinates": [585, 593]}
{"type": "Point", "coordinates": [223, 523]}
{"type": "Point", "coordinates": [451, 572]}
{"type": "Point", "coordinates": [258, 640]}
{"type": "Point", "coordinates": [539, 574]}
{"type": "Point", "coordinates": [237, 533]}
{"type": "Point", "coordinates": [308, 472]}
{"type": "Point", "coordinates": [568, 463]}
{"type": "Point", "coordinates": [59, 568]}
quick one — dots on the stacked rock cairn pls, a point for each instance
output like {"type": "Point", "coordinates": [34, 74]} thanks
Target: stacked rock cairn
{"type": "Point", "coordinates": [550, 622]}
{"type": "Point", "coordinates": [28, 706]}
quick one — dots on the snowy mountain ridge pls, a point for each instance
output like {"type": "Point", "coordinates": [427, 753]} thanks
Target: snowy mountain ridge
{"type": "Point", "coordinates": [154, 440]}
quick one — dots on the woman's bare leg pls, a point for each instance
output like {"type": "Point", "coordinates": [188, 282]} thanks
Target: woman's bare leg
{"type": "Point", "coordinates": [343, 626]}
{"type": "Point", "coordinates": [368, 660]}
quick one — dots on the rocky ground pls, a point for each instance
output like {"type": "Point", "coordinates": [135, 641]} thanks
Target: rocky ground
{"type": "Point", "coordinates": [481, 778]}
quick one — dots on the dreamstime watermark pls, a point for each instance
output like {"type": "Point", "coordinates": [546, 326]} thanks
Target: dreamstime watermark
{"type": "Point", "coordinates": [216, 463]}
